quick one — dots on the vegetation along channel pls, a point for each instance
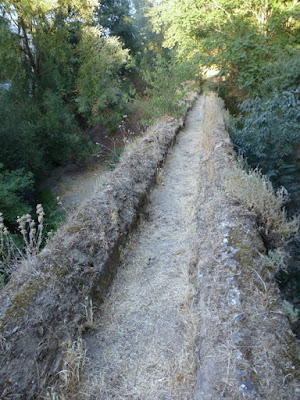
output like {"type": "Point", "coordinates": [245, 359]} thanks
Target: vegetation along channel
{"type": "Point", "coordinates": [149, 199]}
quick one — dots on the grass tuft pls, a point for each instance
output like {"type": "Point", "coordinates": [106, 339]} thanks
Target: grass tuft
{"type": "Point", "coordinates": [74, 360]}
{"type": "Point", "coordinates": [254, 192]}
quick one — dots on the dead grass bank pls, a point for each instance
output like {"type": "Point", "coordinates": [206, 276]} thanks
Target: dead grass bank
{"type": "Point", "coordinates": [246, 349]}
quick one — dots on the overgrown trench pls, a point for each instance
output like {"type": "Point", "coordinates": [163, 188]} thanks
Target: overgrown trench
{"type": "Point", "coordinates": [194, 311]}
{"type": "Point", "coordinates": [146, 329]}
{"type": "Point", "coordinates": [192, 314]}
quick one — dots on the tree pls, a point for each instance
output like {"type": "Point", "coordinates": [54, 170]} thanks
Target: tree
{"type": "Point", "coordinates": [229, 34]}
{"type": "Point", "coordinates": [37, 23]}
{"type": "Point", "coordinates": [116, 19]}
{"type": "Point", "coordinates": [99, 83]}
{"type": "Point", "coordinates": [149, 40]}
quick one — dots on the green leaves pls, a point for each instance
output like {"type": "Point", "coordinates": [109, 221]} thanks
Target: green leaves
{"type": "Point", "coordinates": [269, 134]}
{"type": "Point", "coordinates": [166, 94]}
{"type": "Point", "coordinates": [99, 81]}
{"type": "Point", "coordinates": [13, 185]}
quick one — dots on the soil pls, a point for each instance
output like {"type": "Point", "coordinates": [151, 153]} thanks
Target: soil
{"type": "Point", "coordinates": [72, 185]}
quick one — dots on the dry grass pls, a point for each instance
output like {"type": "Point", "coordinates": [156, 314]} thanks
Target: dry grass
{"type": "Point", "coordinates": [11, 256]}
{"type": "Point", "coordinates": [148, 325]}
{"type": "Point", "coordinates": [255, 193]}
{"type": "Point", "coordinates": [68, 385]}
{"type": "Point", "coordinates": [246, 348]}
{"type": "Point", "coordinates": [144, 352]}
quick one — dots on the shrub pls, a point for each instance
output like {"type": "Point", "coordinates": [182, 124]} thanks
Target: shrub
{"type": "Point", "coordinates": [13, 185]}
{"type": "Point", "coordinates": [282, 75]}
{"type": "Point", "coordinates": [99, 81]}
{"type": "Point", "coordinates": [267, 133]}
{"type": "Point", "coordinates": [166, 87]}
{"type": "Point", "coordinates": [19, 137]}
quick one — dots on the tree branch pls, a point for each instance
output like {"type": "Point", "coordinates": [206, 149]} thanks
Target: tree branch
{"type": "Point", "coordinates": [28, 49]}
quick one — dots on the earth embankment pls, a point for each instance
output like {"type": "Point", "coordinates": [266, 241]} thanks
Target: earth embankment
{"type": "Point", "coordinates": [46, 304]}
{"type": "Point", "coordinates": [171, 289]}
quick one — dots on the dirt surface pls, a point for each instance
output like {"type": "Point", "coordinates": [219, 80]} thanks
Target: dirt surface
{"type": "Point", "coordinates": [144, 344]}
{"type": "Point", "coordinates": [72, 185]}
{"type": "Point", "coordinates": [190, 314]}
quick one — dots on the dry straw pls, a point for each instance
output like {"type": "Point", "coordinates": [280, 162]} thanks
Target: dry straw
{"type": "Point", "coordinates": [256, 196]}
{"type": "Point", "coordinates": [33, 236]}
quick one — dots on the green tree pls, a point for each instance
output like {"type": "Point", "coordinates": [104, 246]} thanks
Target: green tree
{"type": "Point", "coordinates": [39, 26]}
{"type": "Point", "coordinates": [99, 83]}
{"type": "Point", "coordinates": [115, 16]}
{"type": "Point", "coordinates": [236, 36]}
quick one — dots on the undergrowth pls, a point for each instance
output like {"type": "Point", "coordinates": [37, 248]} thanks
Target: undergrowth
{"type": "Point", "coordinates": [11, 252]}
{"type": "Point", "coordinates": [168, 85]}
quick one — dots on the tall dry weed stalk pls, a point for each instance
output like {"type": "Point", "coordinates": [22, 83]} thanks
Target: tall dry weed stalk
{"type": "Point", "coordinates": [33, 237]}
{"type": "Point", "coordinates": [32, 233]}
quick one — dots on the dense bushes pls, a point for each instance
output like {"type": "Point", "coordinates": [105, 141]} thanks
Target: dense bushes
{"type": "Point", "coordinates": [13, 187]}
{"type": "Point", "coordinates": [166, 79]}
{"type": "Point", "coordinates": [101, 95]}
{"type": "Point", "coordinates": [267, 132]}
{"type": "Point", "coordinates": [61, 74]}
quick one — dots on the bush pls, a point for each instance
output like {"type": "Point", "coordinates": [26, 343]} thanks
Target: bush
{"type": "Point", "coordinates": [267, 133]}
{"type": "Point", "coordinates": [281, 75]}
{"type": "Point", "coordinates": [19, 137]}
{"type": "Point", "coordinates": [13, 186]}
{"type": "Point", "coordinates": [165, 86]}
{"type": "Point", "coordinates": [58, 132]}
{"type": "Point", "coordinates": [54, 216]}
{"type": "Point", "coordinates": [99, 82]}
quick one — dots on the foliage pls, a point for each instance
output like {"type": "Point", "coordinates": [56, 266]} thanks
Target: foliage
{"type": "Point", "coordinates": [166, 94]}
{"type": "Point", "coordinates": [236, 36]}
{"type": "Point", "coordinates": [282, 73]}
{"type": "Point", "coordinates": [149, 42]}
{"type": "Point", "coordinates": [10, 62]}
{"type": "Point", "coordinates": [115, 17]}
{"type": "Point", "coordinates": [36, 136]}
{"type": "Point", "coordinates": [290, 311]}
{"type": "Point", "coordinates": [13, 186]}
{"type": "Point", "coordinates": [19, 145]}
{"type": "Point", "coordinates": [242, 50]}
{"type": "Point", "coordinates": [267, 133]}
{"type": "Point", "coordinates": [99, 83]}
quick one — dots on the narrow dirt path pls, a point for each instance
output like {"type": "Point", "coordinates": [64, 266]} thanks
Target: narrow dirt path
{"type": "Point", "coordinates": [143, 347]}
